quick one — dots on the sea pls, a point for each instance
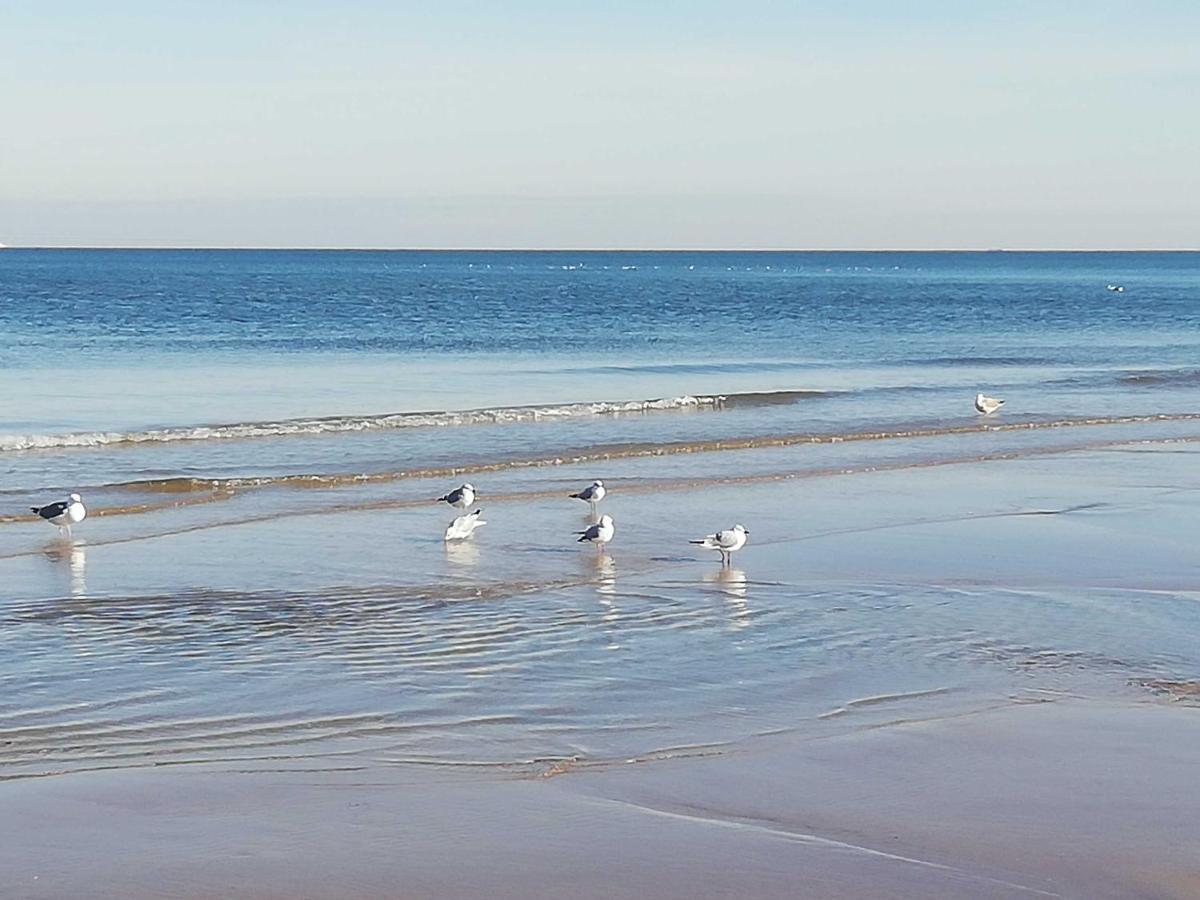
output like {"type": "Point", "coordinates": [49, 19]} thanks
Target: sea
{"type": "Point", "coordinates": [260, 437]}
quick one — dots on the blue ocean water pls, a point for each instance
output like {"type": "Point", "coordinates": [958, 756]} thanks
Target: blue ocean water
{"type": "Point", "coordinates": [148, 364]}
{"type": "Point", "coordinates": [262, 581]}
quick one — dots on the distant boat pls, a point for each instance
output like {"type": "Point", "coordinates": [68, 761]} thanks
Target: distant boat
{"type": "Point", "coordinates": [1115, 288]}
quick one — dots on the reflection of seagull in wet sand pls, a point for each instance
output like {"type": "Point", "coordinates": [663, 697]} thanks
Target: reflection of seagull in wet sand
{"type": "Point", "coordinates": [464, 526]}
{"type": "Point", "coordinates": [600, 533]}
{"type": "Point", "coordinates": [592, 494]}
{"type": "Point", "coordinates": [460, 497]}
{"type": "Point", "coordinates": [64, 514]}
{"type": "Point", "coordinates": [987, 405]}
{"type": "Point", "coordinates": [725, 542]}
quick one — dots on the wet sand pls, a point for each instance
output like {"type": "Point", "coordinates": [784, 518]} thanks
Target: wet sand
{"type": "Point", "coordinates": [1067, 799]}
{"type": "Point", "coordinates": [962, 681]}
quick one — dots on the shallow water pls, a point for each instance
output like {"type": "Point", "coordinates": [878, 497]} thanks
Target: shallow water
{"type": "Point", "coordinates": [261, 582]}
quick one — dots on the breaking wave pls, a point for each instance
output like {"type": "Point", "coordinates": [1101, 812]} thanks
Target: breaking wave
{"type": "Point", "coordinates": [388, 421]}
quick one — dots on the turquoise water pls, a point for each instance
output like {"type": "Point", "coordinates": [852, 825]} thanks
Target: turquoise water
{"type": "Point", "coordinates": [259, 436]}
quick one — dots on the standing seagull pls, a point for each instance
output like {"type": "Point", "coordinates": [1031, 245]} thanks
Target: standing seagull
{"type": "Point", "coordinates": [64, 514]}
{"type": "Point", "coordinates": [726, 542]}
{"type": "Point", "coordinates": [464, 526]}
{"type": "Point", "coordinates": [987, 405]}
{"type": "Point", "coordinates": [460, 497]}
{"type": "Point", "coordinates": [592, 494]}
{"type": "Point", "coordinates": [600, 533]}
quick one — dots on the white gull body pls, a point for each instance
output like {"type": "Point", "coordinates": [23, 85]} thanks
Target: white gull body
{"type": "Point", "coordinates": [726, 542]}
{"type": "Point", "coordinates": [592, 494]}
{"type": "Point", "coordinates": [987, 405]}
{"type": "Point", "coordinates": [461, 497]}
{"type": "Point", "coordinates": [64, 514]}
{"type": "Point", "coordinates": [600, 533]}
{"type": "Point", "coordinates": [464, 526]}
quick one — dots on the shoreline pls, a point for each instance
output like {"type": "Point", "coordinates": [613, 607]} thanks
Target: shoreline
{"type": "Point", "coordinates": [1065, 798]}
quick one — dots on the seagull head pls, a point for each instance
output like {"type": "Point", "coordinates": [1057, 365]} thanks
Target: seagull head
{"type": "Point", "coordinates": [468, 487]}
{"type": "Point", "coordinates": [597, 483]}
{"type": "Point", "coordinates": [741, 528]}
{"type": "Point", "coordinates": [606, 520]}
{"type": "Point", "coordinates": [75, 498]}
{"type": "Point", "coordinates": [979, 397]}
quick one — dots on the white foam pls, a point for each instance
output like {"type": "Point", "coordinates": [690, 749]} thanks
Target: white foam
{"type": "Point", "coordinates": [336, 424]}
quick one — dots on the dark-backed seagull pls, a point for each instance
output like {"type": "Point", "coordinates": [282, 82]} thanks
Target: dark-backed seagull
{"type": "Point", "coordinates": [592, 494]}
{"type": "Point", "coordinates": [600, 533]}
{"type": "Point", "coordinates": [726, 542]}
{"type": "Point", "coordinates": [64, 514]}
{"type": "Point", "coordinates": [464, 526]}
{"type": "Point", "coordinates": [987, 405]}
{"type": "Point", "coordinates": [460, 497]}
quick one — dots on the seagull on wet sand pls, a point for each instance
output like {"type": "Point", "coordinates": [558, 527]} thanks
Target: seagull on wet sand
{"type": "Point", "coordinates": [464, 526]}
{"type": "Point", "coordinates": [600, 533]}
{"type": "Point", "coordinates": [64, 514]}
{"type": "Point", "coordinates": [987, 405]}
{"type": "Point", "coordinates": [726, 542]}
{"type": "Point", "coordinates": [461, 497]}
{"type": "Point", "coordinates": [592, 494]}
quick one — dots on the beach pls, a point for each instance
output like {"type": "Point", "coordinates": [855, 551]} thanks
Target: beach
{"type": "Point", "coordinates": [955, 658]}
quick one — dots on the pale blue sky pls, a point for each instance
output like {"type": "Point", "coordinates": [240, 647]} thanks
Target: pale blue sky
{"type": "Point", "coordinates": [534, 124]}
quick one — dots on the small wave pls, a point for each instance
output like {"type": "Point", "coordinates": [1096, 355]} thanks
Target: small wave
{"type": "Point", "coordinates": [980, 361]}
{"type": "Point", "coordinates": [219, 488]}
{"type": "Point", "coordinates": [341, 424]}
{"type": "Point", "coordinates": [1157, 377]}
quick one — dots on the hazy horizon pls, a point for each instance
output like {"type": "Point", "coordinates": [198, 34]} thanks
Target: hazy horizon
{"type": "Point", "coordinates": [699, 126]}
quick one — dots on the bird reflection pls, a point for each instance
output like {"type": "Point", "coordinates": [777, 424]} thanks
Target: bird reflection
{"type": "Point", "coordinates": [606, 574]}
{"type": "Point", "coordinates": [732, 583]}
{"type": "Point", "coordinates": [71, 554]}
{"type": "Point", "coordinates": [463, 553]}
{"type": "Point", "coordinates": [605, 571]}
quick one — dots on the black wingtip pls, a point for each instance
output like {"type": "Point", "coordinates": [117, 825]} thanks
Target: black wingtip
{"type": "Point", "coordinates": [35, 509]}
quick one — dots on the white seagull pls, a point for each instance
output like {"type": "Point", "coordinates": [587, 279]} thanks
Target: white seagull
{"type": "Point", "coordinates": [987, 405]}
{"type": "Point", "coordinates": [726, 542]}
{"type": "Point", "coordinates": [464, 526]}
{"type": "Point", "coordinates": [600, 533]}
{"type": "Point", "coordinates": [64, 514]}
{"type": "Point", "coordinates": [460, 497]}
{"type": "Point", "coordinates": [592, 494]}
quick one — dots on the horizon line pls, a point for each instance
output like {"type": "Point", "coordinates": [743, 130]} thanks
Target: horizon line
{"type": "Point", "coordinates": [466, 249]}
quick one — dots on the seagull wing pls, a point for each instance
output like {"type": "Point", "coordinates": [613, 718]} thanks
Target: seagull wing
{"type": "Point", "coordinates": [51, 511]}
{"type": "Point", "coordinates": [727, 538]}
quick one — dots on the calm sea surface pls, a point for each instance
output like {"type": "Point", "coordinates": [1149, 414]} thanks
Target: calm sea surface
{"type": "Point", "coordinates": [259, 434]}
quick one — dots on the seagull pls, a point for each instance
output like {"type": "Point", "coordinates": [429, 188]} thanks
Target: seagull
{"type": "Point", "coordinates": [725, 541]}
{"type": "Point", "coordinates": [600, 533]}
{"type": "Point", "coordinates": [460, 497]}
{"type": "Point", "coordinates": [64, 514]}
{"type": "Point", "coordinates": [464, 526]}
{"type": "Point", "coordinates": [987, 405]}
{"type": "Point", "coordinates": [592, 494]}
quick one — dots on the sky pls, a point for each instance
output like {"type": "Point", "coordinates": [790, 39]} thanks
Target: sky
{"type": "Point", "coordinates": [756, 124]}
